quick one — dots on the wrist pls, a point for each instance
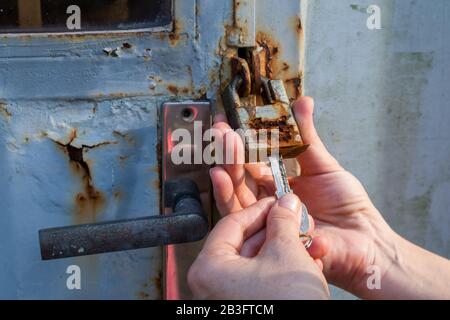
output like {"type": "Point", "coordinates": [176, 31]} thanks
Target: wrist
{"type": "Point", "coordinates": [383, 263]}
{"type": "Point", "coordinates": [405, 271]}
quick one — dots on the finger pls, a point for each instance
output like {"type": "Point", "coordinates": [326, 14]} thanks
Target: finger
{"type": "Point", "coordinates": [319, 263]}
{"type": "Point", "coordinates": [231, 157]}
{"type": "Point", "coordinates": [230, 233]}
{"type": "Point", "coordinates": [252, 245]}
{"type": "Point", "coordinates": [219, 131]}
{"type": "Point", "coordinates": [220, 118]}
{"type": "Point", "coordinates": [316, 159]}
{"type": "Point", "coordinates": [284, 219]}
{"type": "Point", "coordinates": [262, 173]}
{"type": "Point", "coordinates": [224, 195]}
{"type": "Point", "coordinates": [319, 248]}
{"type": "Point", "coordinates": [234, 165]}
{"type": "Point", "coordinates": [221, 124]}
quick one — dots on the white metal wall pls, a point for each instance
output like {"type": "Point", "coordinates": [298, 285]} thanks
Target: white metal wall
{"type": "Point", "coordinates": [382, 106]}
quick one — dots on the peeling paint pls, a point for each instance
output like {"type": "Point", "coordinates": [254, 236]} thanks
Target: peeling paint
{"type": "Point", "coordinates": [175, 35]}
{"type": "Point", "coordinates": [4, 111]}
{"type": "Point", "coordinates": [89, 202]}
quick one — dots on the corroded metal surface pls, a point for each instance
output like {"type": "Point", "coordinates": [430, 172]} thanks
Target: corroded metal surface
{"type": "Point", "coordinates": [269, 129]}
{"type": "Point", "coordinates": [79, 134]}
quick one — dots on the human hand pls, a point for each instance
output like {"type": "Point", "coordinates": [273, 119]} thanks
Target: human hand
{"type": "Point", "coordinates": [282, 269]}
{"type": "Point", "coordinates": [350, 234]}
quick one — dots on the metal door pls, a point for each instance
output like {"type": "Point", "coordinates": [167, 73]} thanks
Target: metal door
{"type": "Point", "coordinates": [80, 127]}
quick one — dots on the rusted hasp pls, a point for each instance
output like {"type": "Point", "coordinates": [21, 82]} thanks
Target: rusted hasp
{"type": "Point", "coordinates": [187, 223]}
{"type": "Point", "coordinates": [269, 129]}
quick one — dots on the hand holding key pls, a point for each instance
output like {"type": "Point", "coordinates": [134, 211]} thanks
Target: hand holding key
{"type": "Point", "coordinates": [281, 269]}
{"type": "Point", "coordinates": [350, 235]}
{"type": "Point", "coordinates": [348, 230]}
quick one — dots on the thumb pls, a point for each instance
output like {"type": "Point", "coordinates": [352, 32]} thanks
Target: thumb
{"type": "Point", "coordinates": [316, 159]}
{"type": "Point", "coordinates": [283, 221]}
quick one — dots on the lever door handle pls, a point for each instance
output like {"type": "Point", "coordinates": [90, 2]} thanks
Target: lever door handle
{"type": "Point", "coordinates": [186, 223]}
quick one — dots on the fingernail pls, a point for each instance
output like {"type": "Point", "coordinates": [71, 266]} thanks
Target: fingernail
{"type": "Point", "coordinates": [291, 202]}
{"type": "Point", "coordinates": [311, 223]}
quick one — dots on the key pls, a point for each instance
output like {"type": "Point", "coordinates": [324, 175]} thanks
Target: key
{"type": "Point", "coordinates": [282, 187]}
{"type": "Point", "coordinates": [279, 176]}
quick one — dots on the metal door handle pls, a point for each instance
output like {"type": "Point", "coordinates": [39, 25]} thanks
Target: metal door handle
{"type": "Point", "coordinates": [186, 223]}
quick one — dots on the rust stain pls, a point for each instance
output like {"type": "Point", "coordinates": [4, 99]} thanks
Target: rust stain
{"type": "Point", "coordinates": [125, 136]}
{"type": "Point", "coordinates": [174, 36]}
{"type": "Point", "coordinates": [90, 201]}
{"type": "Point", "coordinates": [117, 195]}
{"type": "Point", "coordinates": [175, 90]}
{"type": "Point", "coordinates": [268, 55]}
{"type": "Point", "coordinates": [4, 110]}
{"type": "Point", "coordinates": [143, 295]}
{"type": "Point", "coordinates": [154, 169]}
{"type": "Point", "coordinates": [298, 26]}
{"type": "Point", "coordinates": [294, 86]}
{"type": "Point", "coordinates": [286, 132]}
{"type": "Point", "coordinates": [156, 184]}
{"type": "Point", "coordinates": [157, 281]}
{"type": "Point", "coordinates": [201, 94]}
{"type": "Point", "coordinates": [276, 69]}
{"type": "Point", "coordinates": [214, 76]}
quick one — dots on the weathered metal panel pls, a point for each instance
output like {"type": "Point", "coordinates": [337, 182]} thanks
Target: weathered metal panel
{"type": "Point", "coordinates": [382, 106]}
{"type": "Point", "coordinates": [43, 188]}
{"type": "Point", "coordinates": [63, 97]}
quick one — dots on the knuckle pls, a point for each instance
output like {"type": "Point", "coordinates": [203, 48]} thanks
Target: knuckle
{"type": "Point", "coordinates": [283, 240]}
{"type": "Point", "coordinates": [233, 220]}
{"type": "Point", "coordinates": [284, 217]}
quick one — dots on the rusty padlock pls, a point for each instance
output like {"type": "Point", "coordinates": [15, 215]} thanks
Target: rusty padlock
{"type": "Point", "coordinates": [273, 116]}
